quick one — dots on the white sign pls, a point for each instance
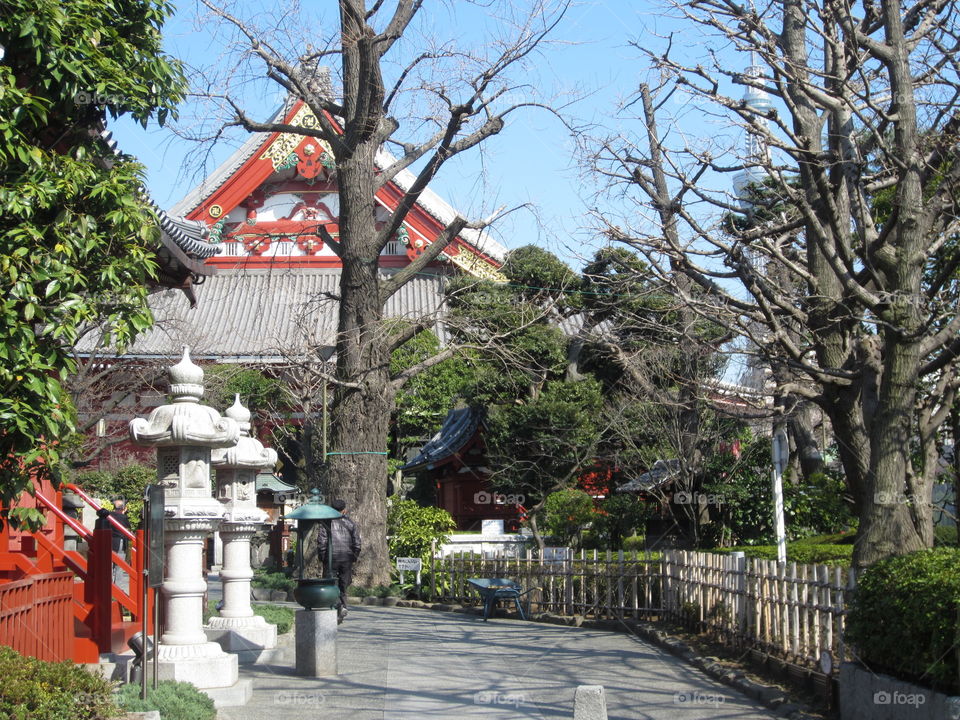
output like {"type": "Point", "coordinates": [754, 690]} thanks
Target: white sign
{"type": "Point", "coordinates": [414, 564]}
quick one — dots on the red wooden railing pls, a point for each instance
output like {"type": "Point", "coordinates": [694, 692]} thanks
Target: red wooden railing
{"type": "Point", "coordinates": [36, 615]}
{"type": "Point", "coordinates": [93, 604]}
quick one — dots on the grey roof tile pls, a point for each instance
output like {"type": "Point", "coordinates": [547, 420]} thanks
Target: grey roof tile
{"type": "Point", "coordinates": [262, 315]}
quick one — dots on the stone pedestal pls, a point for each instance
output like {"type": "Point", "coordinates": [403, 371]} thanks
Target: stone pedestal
{"type": "Point", "coordinates": [316, 642]}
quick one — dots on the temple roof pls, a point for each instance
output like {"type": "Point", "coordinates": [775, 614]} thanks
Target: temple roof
{"type": "Point", "coordinates": [458, 429]}
{"type": "Point", "coordinates": [266, 480]}
{"type": "Point", "coordinates": [184, 244]}
{"type": "Point", "coordinates": [245, 160]}
{"type": "Point", "coordinates": [662, 472]}
{"type": "Point", "coordinates": [263, 316]}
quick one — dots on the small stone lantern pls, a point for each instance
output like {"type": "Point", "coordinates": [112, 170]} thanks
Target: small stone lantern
{"type": "Point", "coordinates": [236, 628]}
{"type": "Point", "coordinates": [314, 593]}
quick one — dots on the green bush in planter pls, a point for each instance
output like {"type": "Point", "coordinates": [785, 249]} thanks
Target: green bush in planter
{"type": "Point", "coordinates": [277, 615]}
{"type": "Point", "coordinates": [273, 581]}
{"type": "Point", "coordinates": [905, 617]}
{"type": "Point", "coordinates": [32, 689]}
{"type": "Point", "coordinates": [174, 700]}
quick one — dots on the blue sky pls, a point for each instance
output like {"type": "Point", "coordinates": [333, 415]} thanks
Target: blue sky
{"type": "Point", "coordinates": [532, 161]}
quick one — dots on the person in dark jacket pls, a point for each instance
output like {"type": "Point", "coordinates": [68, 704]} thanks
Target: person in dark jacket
{"type": "Point", "coordinates": [119, 513]}
{"type": "Point", "coordinates": [118, 540]}
{"type": "Point", "coordinates": [346, 549]}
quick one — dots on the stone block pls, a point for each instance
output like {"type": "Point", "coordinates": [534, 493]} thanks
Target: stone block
{"type": "Point", "coordinates": [206, 666]}
{"type": "Point", "coordinates": [589, 703]}
{"type": "Point", "coordinates": [247, 638]}
{"type": "Point", "coordinates": [316, 642]}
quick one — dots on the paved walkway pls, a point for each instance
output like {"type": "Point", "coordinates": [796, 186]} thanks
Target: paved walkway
{"type": "Point", "coordinates": [408, 664]}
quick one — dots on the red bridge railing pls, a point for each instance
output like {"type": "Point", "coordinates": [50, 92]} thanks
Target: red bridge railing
{"type": "Point", "coordinates": [100, 615]}
{"type": "Point", "coordinates": [36, 615]}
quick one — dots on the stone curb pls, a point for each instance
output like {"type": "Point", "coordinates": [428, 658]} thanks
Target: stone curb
{"type": "Point", "coordinates": [770, 696]}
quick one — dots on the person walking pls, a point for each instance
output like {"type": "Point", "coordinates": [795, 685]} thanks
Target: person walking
{"type": "Point", "coordinates": [118, 541]}
{"type": "Point", "coordinates": [345, 539]}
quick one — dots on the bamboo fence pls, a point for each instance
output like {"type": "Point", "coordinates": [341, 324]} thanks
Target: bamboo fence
{"type": "Point", "coordinates": [792, 611]}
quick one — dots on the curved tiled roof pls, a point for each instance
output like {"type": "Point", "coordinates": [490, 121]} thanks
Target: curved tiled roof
{"type": "Point", "coordinates": [457, 430]}
{"type": "Point", "coordinates": [263, 316]}
{"type": "Point", "coordinates": [188, 235]}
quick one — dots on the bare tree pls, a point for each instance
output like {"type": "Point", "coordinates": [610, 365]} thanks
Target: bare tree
{"type": "Point", "coordinates": [854, 287]}
{"type": "Point", "coordinates": [398, 88]}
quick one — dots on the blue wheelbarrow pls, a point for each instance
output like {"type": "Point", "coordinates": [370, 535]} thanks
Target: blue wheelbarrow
{"type": "Point", "coordinates": [493, 589]}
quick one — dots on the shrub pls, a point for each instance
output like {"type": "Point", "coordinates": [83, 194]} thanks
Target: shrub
{"type": "Point", "coordinates": [805, 554]}
{"type": "Point", "coordinates": [413, 529]}
{"type": "Point", "coordinates": [945, 536]}
{"type": "Point", "coordinates": [273, 581]}
{"type": "Point", "coordinates": [634, 543]}
{"type": "Point", "coordinates": [567, 512]}
{"type": "Point", "coordinates": [174, 700]}
{"type": "Point", "coordinates": [903, 617]}
{"type": "Point", "coordinates": [277, 615]}
{"type": "Point", "coordinates": [36, 690]}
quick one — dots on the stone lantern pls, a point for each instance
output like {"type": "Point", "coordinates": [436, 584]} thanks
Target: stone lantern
{"type": "Point", "coordinates": [184, 433]}
{"type": "Point", "coordinates": [237, 629]}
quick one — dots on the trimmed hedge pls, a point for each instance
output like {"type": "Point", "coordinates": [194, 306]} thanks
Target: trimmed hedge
{"type": "Point", "coordinates": [32, 689]}
{"type": "Point", "coordinates": [273, 581]}
{"type": "Point", "coordinates": [805, 554]}
{"type": "Point", "coordinates": [904, 617]}
{"type": "Point", "coordinates": [277, 615]}
{"type": "Point", "coordinates": [174, 700]}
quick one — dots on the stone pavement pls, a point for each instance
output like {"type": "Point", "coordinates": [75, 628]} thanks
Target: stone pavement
{"type": "Point", "coordinates": [412, 664]}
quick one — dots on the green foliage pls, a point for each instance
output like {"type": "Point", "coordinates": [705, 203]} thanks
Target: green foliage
{"type": "Point", "coordinates": [547, 440]}
{"type": "Point", "coordinates": [277, 615]}
{"type": "Point", "coordinates": [617, 517]}
{"type": "Point", "coordinates": [819, 505]}
{"type": "Point", "coordinates": [538, 275]}
{"type": "Point", "coordinates": [174, 700]}
{"type": "Point", "coordinates": [426, 398]}
{"type": "Point", "coordinates": [566, 513]}
{"type": "Point", "coordinates": [273, 580]}
{"type": "Point", "coordinates": [257, 391]}
{"type": "Point", "coordinates": [75, 237]}
{"type": "Point", "coordinates": [945, 536]}
{"type": "Point", "coordinates": [634, 543]}
{"type": "Point", "coordinates": [128, 482]}
{"type": "Point", "coordinates": [741, 498]}
{"type": "Point", "coordinates": [36, 690]}
{"type": "Point", "coordinates": [798, 552]}
{"type": "Point", "coordinates": [412, 529]}
{"type": "Point", "coordinates": [903, 618]}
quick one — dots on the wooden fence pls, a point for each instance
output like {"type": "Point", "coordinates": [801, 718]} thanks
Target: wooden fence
{"type": "Point", "coordinates": [610, 585]}
{"type": "Point", "coordinates": [36, 617]}
{"type": "Point", "coordinates": [794, 611]}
